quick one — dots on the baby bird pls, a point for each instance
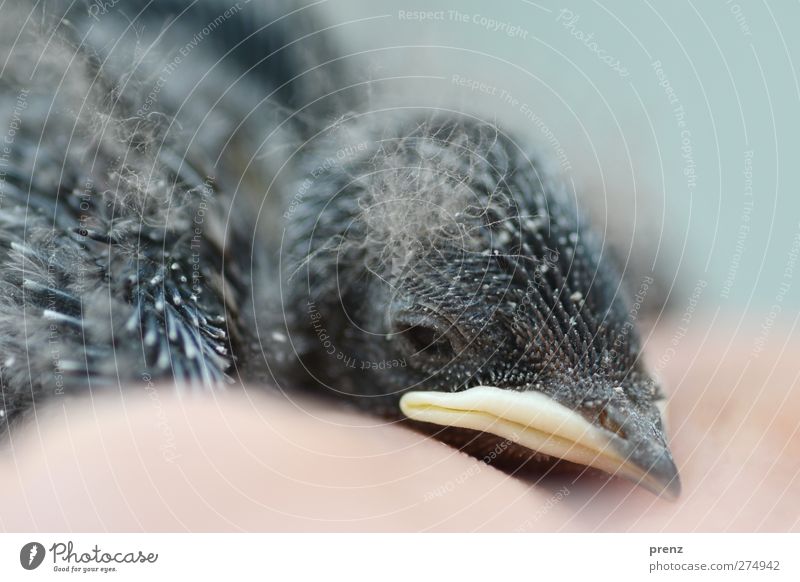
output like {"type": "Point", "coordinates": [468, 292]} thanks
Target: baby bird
{"type": "Point", "coordinates": [187, 195]}
{"type": "Point", "coordinates": [439, 273]}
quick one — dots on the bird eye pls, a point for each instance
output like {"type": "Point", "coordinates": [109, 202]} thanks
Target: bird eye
{"type": "Point", "coordinates": [427, 340]}
{"type": "Point", "coordinates": [421, 337]}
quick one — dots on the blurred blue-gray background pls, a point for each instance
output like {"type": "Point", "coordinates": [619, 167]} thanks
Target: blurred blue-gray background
{"type": "Point", "coordinates": [676, 121]}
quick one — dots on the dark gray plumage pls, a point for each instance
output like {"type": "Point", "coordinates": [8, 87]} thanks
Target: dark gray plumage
{"type": "Point", "coordinates": [446, 253]}
{"type": "Point", "coordinates": [208, 234]}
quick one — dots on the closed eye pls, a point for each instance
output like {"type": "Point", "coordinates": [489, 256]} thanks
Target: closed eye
{"type": "Point", "coordinates": [428, 340]}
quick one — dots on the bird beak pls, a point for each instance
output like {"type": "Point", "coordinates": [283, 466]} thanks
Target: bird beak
{"type": "Point", "coordinates": [536, 421]}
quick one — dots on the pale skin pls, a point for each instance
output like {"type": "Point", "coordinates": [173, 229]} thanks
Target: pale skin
{"type": "Point", "coordinates": [145, 460]}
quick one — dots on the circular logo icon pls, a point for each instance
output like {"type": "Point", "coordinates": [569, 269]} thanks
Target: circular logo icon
{"type": "Point", "coordinates": [31, 555]}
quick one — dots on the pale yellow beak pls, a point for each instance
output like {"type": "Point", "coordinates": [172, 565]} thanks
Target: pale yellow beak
{"type": "Point", "coordinates": [539, 423]}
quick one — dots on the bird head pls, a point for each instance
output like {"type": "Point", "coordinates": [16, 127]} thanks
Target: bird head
{"type": "Point", "coordinates": [445, 277]}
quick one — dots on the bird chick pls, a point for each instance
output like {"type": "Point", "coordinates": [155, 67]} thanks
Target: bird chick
{"type": "Point", "coordinates": [426, 267]}
{"type": "Point", "coordinates": [440, 273]}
